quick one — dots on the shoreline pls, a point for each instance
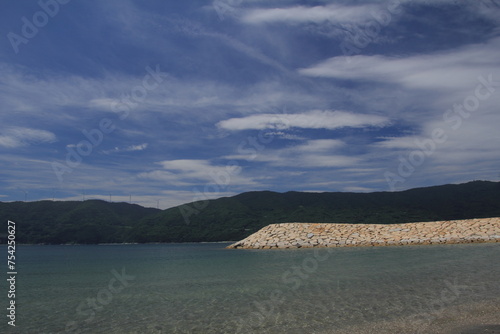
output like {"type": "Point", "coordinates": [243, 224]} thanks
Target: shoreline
{"type": "Point", "coordinates": [309, 235]}
{"type": "Point", "coordinates": [131, 243]}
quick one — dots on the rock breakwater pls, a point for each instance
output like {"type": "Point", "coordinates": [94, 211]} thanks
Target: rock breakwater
{"type": "Point", "coordinates": [307, 235]}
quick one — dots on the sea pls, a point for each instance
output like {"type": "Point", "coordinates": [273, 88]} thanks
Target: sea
{"type": "Point", "coordinates": [204, 288]}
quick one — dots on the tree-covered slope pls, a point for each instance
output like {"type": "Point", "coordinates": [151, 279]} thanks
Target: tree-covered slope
{"type": "Point", "coordinates": [86, 222]}
{"type": "Point", "coordinates": [234, 218]}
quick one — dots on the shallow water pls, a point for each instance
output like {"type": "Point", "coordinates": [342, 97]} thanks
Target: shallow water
{"type": "Point", "coordinates": [204, 288]}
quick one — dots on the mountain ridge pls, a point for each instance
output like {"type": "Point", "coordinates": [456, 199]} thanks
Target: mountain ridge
{"type": "Point", "coordinates": [236, 217]}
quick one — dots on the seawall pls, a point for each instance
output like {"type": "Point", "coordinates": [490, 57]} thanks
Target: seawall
{"type": "Point", "coordinates": [307, 235]}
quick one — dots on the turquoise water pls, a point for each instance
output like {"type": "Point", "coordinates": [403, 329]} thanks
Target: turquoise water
{"type": "Point", "coordinates": [204, 288]}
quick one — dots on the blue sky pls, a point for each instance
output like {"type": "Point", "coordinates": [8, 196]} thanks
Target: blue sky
{"type": "Point", "coordinates": [173, 101]}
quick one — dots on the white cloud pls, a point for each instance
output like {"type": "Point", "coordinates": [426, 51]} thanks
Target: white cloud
{"type": "Point", "coordinates": [54, 94]}
{"type": "Point", "coordinates": [422, 88]}
{"type": "Point", "coordinates": [326, 161]}
{"type": "Point", "coordinates": [303, 14]}
{"type": "Point", "coordinates": [315, 119]}
{"type": "Point", "coordinates": [358, 189]}
{"type": "Point", "coordinates": [198, 171]}
{"type": "Point", "coordinates": [358, 14]}
{"type": "Point", "coordinates": [407, 142]}
{"type": "Point", "coordinates": [192, 165]}
{"type": "Point", "coordinates": [131, 148]}
{"type": "Point", "coordinates": [14, 137]}
{"type": "Point", "coordinates": [319, 153]}
{"type": "Point", "coordinates": [320, 145]}
{"type": "Point", "coordinates": [307, 160]}
{"type": "Point", "coordinates": [284, 135]}
{"type": "Point", "coordinates": [161, 175]}
{"type": "Point", "coordinates": [137, 147]}
{"type": "Point", "coordinates": [449, 70]}
{"type": "Point", "coordinates": [103, 103]}
{"type": "Point", "coordinates": [467, 152]}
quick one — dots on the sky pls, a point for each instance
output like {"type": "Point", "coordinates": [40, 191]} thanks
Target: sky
{"type": "Point", "coordinates": [164, 102]}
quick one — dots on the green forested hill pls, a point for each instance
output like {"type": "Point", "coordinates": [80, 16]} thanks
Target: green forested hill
{"type": "Point", "coordinates": [91, 221]}
{"type": "Point", "coordinates": [233, 218]}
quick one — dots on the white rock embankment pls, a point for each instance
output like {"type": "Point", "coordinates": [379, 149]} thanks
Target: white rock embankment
{"type": "Point", "coordinates": [307, 235]}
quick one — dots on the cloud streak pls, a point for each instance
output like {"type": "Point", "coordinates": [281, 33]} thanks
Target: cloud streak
{"type": "Point", "coordinates": [304, 14]}
{"type": "Point", "coordinates": [14, 137]}
{"type": "Point", "coordinates": [131, 148]}
{"type": "Point", "coordinates": [315, 119]}
{"type": "Point", "coordinates": [448, 70]}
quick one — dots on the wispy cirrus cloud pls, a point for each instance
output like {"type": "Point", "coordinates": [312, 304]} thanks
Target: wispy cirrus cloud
{"type": "Point", "coordinates": [13, 137]}
{"type": "Point", "coordinates": [303, 14]}
{"type": "Point", "coordinates": [272, 65]}
{"type": "Point", "coordinates": [320, 145]}
{"type": "Point", "coordinates": [446, 70]}
{"type": "Point", "coordinates": [130, 148]}
{"type": "Point", "coordinates": [317, 153]}
{"type": "Point", "coordinates": [195, 172]}
{"type": "Point", "coordinates": [315, 119]}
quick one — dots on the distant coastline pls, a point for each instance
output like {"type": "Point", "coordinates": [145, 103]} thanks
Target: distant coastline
{"type": "Point", "coordinates": [129, 243]}
{"type": "Point", "coordinates": [308, 235]}
{"type": "Point", "coordinates": [237, 217]}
